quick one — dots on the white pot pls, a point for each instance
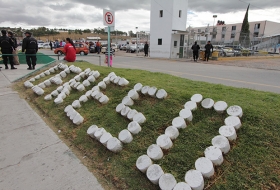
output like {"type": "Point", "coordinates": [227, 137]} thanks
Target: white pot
{"type": "Point", "coordinates": [182, 186]}
{"type": "Point", "coordinates": [42, 85]}
{"type": "Point", "coordinates": [164, 142]}
{"type": "Point", "coordinates": [82, 75]}
{"type": "Point", "coordinates": [125, 136]}
{"type": "Point", "coordinates": [235, 111]}
{"type": "Point", "coordinates": [112, 78]}
{"type": "Point", "coordinates": [47, 72]}
{"type": "Point", "coordinates": [143, 163]}
{"type": "Point", "coordinates": [152, 91]}
{"type": "Point", "coordinates": [52, 70]}
{"type": "Point", "coordinates": [95, 88]}
{"type": "Point", "coordinates": [106, 80]}
{"type": "Point", "coordinates": [48, 97]}
{"type": "Point", "coordinates": [63, 74]}
{"type": "Point", "coordinates": [102, 85]}
{"type": "Point", "coordinates": [167, 181]}
{"type": "Point", "coordinates": [222, 143]}
{"type": "Point", "coordinates": [133, 94]}
{"type": "Point", "coordinates": [197, 98]}
{"type": "Point", "coordinates": [161, 94]}
{"type": "Point", "coordinates": [105, 137]}
{"type": "Point", "coordinates": [59, 89]}
{"type": "Point", "coordinates": [123, 82]}
{"type": "Point", "coordinates": [58, 100]}
{"type": "Point", "coordinates": [207, 103]}
{"type": "Point", "coordinates": [138, 87]}
{"type": "Point", "coordinates": [98, 95]}
{"type": "Point", "coordinates": [154, 152]}
{"type": "Point", "coordinates": [220, 106]}
{"type": "Point", "coordinates": [99, 132]}
{"type": "Point", "coordinates": [91, 79]}
{"type": "Point", "coordinates": [114, 145]}
{"type": "Point", "coordinates": [111, 74]}
{"type": "Point", "coordinates": [145, 90]}
{"type": "Point", "coordinates": [42, 75]}
{"type": "Point", "coordinates": [179, 123]}
{"type": "Point", "coordinates": [186, 114]}
{"type": "Point", "coordinates": [214, 154]}
{"type": "Point", "coordinates": [139, 118]}
{"type": "Point", "coordinates": [54, 93]}
{"type": "Point", "coordinates": [78, 119]}
{"type": "Point", "coordinates": [86, 83]}
{"type": "Point", "coordinates": [37, 77]}
{"type": "Point", "coordinates": [233, 121]}
{"type": "Point", "coordinates": [88, 94]}
{"type": "Point", "coordinates": [195, 179]}
{"type": "Point", "coordinates": [76, 104]}
{"type": "Point", "coordinates": [120, 107]}
{"type": "Point", "coordinates": [96, 74]}
{"type": "Point", "coordinates": [117, 79]}
{"type": "Point", "coordinates": [172, 132]}
{"type": "Point", "coordinates": [91, 130]}
{"type": "Point", "coordinates": [104, 99]}
{"type": "Point", "coordinates": [154, 172]}
{"type": "Point", "coordinates": [94, 93]}
{"type": "Point", "coordinates": [32, 80]}
{"type": "Point", "coordinates": [134, 127]}
{"type": "Point", "coordinates": [127, 101]}
{"type": "Point", "coordinates": [47, 82]}
{"type": "Point", "coordinates": [77, 78]}
{"type": "Point", "coordinates": [81, 88]}
{"type": "Point", "coordinates": [125, 111]}
{"type": "Point", "coordinates": [131, 114]}
{"type": "Point", "coordinates": [67, 70]}
{"type": "Point", "coordinates": [83, 98]}
{"type": "Point", "coordinates": [228, 132]}
{"type": "Point", "coordinates": [68, 108]}
{"type": "Point", "coordinates": [205, 166]}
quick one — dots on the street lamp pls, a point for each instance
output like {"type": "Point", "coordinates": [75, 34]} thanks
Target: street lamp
{"type": "Point", "coordinates": [214, 16]}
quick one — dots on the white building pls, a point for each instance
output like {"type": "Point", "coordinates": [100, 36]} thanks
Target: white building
{"type": "Point", "coordinates": [168, 28]}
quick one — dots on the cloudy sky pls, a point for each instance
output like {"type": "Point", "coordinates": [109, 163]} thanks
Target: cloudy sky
{"type": "Point", "coordinates": [83, 14]}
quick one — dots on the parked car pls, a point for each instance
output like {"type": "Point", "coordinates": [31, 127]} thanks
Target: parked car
{"type": "Point", "coordinates": [123, 47]}
{"type": "Point", "coordinates": [81, 48]}
{"type": "Point", "coordinates": [133, 48]}
{"type": "Point", "coordinates": [40, 44]}
{"type": "Point", "coordinates": [104, 46]}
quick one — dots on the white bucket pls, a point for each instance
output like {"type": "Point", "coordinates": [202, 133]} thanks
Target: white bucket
{"type": "Point", "coordinates": [95, 88]}
{"type": "Point", "coordinates": [152, 91]}
{"type": "Point", "coordinates": [102, 85]}
{"type": "Point", "coordinates": [182, 186]}
{"type": "Point", "coordinates": [154, 172]}
{"type": "Point", "coordinates": [154, 152]}
{"type": "Point", "coordinates": [42, 75]}
{"type": "Point", "coordinates": [62, 95]}
{"type": "Point", "coordinates": [179, 123]}
{"type": "Point", "coordinates": [87, 70]}
{"type": "Point", "coordinates": [63, 74]}
{"type": "Point", "coordinates": [164, 142]}
{"type": "Point", "coordinates": [186, 114]}
{"type": "Point", "coordinates": [139, 118]}
{"type": "Point", "coordinates": [96, 74]}
{"type": "Point", "coordinates": [235, 111]}
{"type": "Point", "coordinates": [65, 84]}
{"type": "Point", "coordinates": [145, 90]}
{"type": "Point", "coordinates": [190, 105]}
{"type": "Point", "coordinates": [214, 154]}
{"type": "Point", "coordinates": [195, 179]}
{"type": "Point", "coordinates": [54, 93]}
{"type": "Point", "coordinates": [91, 130]}
{"type": "Point", "coordinates": [68, 108]}
{"type": "Point", "coordinates": [76, 104]}
{"type": "Point", "coordinates": [228, 132]}
{"type": "Point", "coordinates": [125, 111]}
{"type": "Point", "coordinates": [70, 112]}
{"type": "Point", "coordinates": [197, 98]}
{"type": "Point", "coordinates": [86, 83]}
{"type": "Point", "coordinates": [111, 74]}
{"type": "Point", "coordinates": [37, 77]}
{"type": "Point", "coordinates": [105, 137]}
{"type": "Point", "coordinates": [131, 114]}
{"type": "Point", "coordinates": [205, 166]}
{"type": "Point", "coordinates": [222, 143]}
{"type": "Point", "coordinates": [72, 84]}
{"type": "Point", "coordinates": [125, 136]}
{"type": "Point", "coordinates": [83, 98]}
{"type": "Point", "coordinates": [106, 80]}
{"type": "Point", "coordinates": [138, 87]}
{"type": "Point", "coordinates": [133, 94]}
{"type": "Point", "coordinates": [77, 78]}
{"type": "Point", "coordinates": [98, 95]}
{"type": "Point", "coordinates": [42, 85]}
{"type": "Point", "coordinates": [32, 80]}
{"type": "Point", "coordinates": [48, 97]}
{"type": "Point", "coordinates": [91, 79]}
{"type": "Point", "coordinates": [94, 93]}
{"type": "Point", "coordinates": [59, 89]}
{"type": "Point", "coordinates": [117, 79]}
{"type": "Point", "coordinates": [47, 72]}
{"type": "Point", "coordinates": [88, 93]}
{"type": "Point", "coordinates": [76, 85]}
{"type": "Point", "coordinates": [55, 67]}
{"type": "Point", "coordinates": [78, 119]}
{"type": "Point", "coordinates": [28, 84]}
{"type": "Point", "coordinates": [143, 163]}
{"type": "Point", "coordinates": [82, 75]}
{"type": "Point", "coordinates": [73, 114]}
{"type": "Point", "coordinates": [99, 132]}
{"type": "Point", "coordinates": [52, 70]}
{"type": "Point", "coordinates": [47, 82]}
{"type": "Point", "coordinates": [167, 181]}
{"type": "Point", "coordinates": [172, 132]}
{"type": "Point", "coordinates": [233, 121]}
{"type": "Point", "coordinates": [112, 78]}
{"type": "Point", "coordinates": [161, 94]}
{"type": "Point", "coordinates": [123, 82]}
{"type": "Point", "coordinates": [134, 127]}
{"type": "Point", "coordinates": [114, 144]}
{"type": "Point", "coordinates": [58, 100]}
{"type": "Point", "coordinates": [127, 101]}
{"type": "Point", "coordinates": [58, 76]}
{"type": "Point", "coordinates": [67, 70]}
{"type": "Point", "coordinates": [66, 91]}
{"type": "Point", "coordinates": [120, 107]}
{"type": "Point", "coordinates": [104, 99]}
{"type": "Point", "coordinates": [81, 87]}
{"type": "Point", "coordinates": [207, 103]}
{"type": "Point", "coordinates": [220, 106]}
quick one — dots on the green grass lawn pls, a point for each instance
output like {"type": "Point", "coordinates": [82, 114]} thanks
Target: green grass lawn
{"type": "Point", "coordinates": [252, 163]}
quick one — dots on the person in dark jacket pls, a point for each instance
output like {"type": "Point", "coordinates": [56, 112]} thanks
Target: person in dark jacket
{"type": "Point", "coordinates": [51, 45]}
{"type": "Point", "coordinates": [195, 49]}
{"type": "Point", "coordinates": [7, 45]}
{"type": "Point", "coordinates": [208, 48]}
{"type": "Point", "coordinates": [30, 47]}
{"type": "Point", "coordinates": [146, 49]}
{"type": "Point", "coordinates": [14, 40]}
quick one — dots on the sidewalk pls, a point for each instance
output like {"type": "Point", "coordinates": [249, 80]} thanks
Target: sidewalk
{"type": "Point", "coordinates": [32, 156]}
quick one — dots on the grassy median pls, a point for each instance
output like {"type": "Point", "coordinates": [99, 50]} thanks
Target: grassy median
{"type": "Point", "coordinates": [252, 163]}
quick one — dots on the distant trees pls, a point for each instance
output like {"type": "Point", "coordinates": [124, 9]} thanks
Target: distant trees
{"type": "Point", "coordinates": [244, 37]}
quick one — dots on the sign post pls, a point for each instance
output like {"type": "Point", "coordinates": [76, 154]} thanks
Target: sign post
{"type": "Point", "coordinates": [108, 20]}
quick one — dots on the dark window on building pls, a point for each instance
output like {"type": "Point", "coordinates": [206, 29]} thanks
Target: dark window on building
{"type": "Point", "coordinates": [257, 26]}
{"type": "Point", "coordinates": [232, 36]}
{"type": "Point", "coordinates": [180, 13]}
{"type": "Point", "coordinates": [224, 29]}
{"type": "Point", "coordinates": [160, 41]}
{"type": "Point", "coordinates": [198, 30]}
{"type": "Point", "coordinates": [175, 43]}
{"type": "Point", "coordinates": [256, 34]}
{"type": "Point", "coordinates": [223, 36]}
{"type": "Point", "coordinates": [214, 36]}
{"type": "Point", "coordinates": [233, 28]}
{"type": "Point", "coordinates": [161, 13]}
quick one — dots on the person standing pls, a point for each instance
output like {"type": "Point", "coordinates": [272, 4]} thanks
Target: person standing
{"type": "Point", "coordinates": [111, 55]}
{"type": "Point", "coordinates": [70, 51]}
{"type": "Point", "coordinates": [14, 40]}
{"type": "Point", "coordinates": [146, 49]}
{"type": "Point", "coordinates": [7, 45]}
{"type": "Point", "coordinates": [98, 46]}
{"type": "Point", "coordinates": [208, 48]}
{"type": "Point", "coordinates": [51, 45]}
{"type": "Point", "coordinates": [30, 47]}
{"type": "Point", "coordinates": [195, 49]}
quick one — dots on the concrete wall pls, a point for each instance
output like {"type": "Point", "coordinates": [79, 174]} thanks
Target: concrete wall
{"type": "Point", "coordinates": [179, 23]}
{"type": "Point", "coordinates": [271, 28]}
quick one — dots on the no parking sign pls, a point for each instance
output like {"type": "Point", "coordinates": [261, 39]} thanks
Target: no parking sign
{"type": "Point", "coordinates": [108, 17]}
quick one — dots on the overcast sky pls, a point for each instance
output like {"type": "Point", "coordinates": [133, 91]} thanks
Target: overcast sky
{"type": "Point", "coordinates": [84, 14]}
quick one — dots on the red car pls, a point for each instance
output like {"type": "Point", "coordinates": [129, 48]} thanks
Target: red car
{"type": "Point", "coordinates": [81, 48]}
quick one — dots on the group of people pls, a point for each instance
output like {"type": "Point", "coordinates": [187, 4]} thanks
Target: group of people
{"type": "Point", "coordinates": [196, 49]}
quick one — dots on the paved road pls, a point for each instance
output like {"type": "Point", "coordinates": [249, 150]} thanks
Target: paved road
{"type": "Point", "coordinates": [236, 76]}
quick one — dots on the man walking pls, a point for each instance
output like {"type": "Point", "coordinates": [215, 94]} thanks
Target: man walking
{"type": "Point", "coordinates": [7, 45]}
{"type": "Point", "coordinates": [98, 46]}
{"type": "Point", "coordinates": [146, 49]}
{"type": "Point", "coordinates": [195, 49]}
{"type": "Point", "coordinates": [51, 45]}
{"type": "Point", "coordinates": [30, 46]}
{"type": "Point", "coordinates": [208, 48]}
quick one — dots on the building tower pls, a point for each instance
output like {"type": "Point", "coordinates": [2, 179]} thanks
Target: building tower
{"type": "Point", "coordinates": [168, 28]}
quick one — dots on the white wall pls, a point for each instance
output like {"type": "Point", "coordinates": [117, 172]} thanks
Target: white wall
{"type": "Point", "coordinates": [175, 50]}
{"type": "Point", "coordinates": [179, 23]}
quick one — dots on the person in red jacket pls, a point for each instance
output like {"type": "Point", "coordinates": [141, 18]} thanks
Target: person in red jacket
{"type": "Point", "coordinates": [70, 51]}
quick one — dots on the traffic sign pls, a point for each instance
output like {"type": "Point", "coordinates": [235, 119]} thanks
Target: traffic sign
{"type": "Point", "coordinates": [108, 17]}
